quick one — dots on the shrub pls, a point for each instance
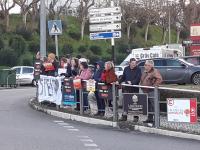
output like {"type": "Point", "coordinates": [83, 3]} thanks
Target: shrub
{"type": "Point", "coordinates": [24, 32]}
{"type": "Point", "coordinates": [8, 57]}
{"type": "Point", "coordinates": [67, 49]}
{"type": "Point", "coordinates": [34, 46]}
{"type": "Point", "coordinates": [82, 48]}
{"type": "Point", "coordinates": [96, 49]}
{"type": "Point", "coordinates": [1, 43]}
{"type": "Point", "coordinates": [18, 44]}
{"type": "Point", "coordinates": [26, 59]}
{"type": "Point", "coordinates": [75, 35]}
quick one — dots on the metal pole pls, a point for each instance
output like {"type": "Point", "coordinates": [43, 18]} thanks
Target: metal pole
{"type": "Point", "coordinates": [115, 112]}
{"type": "Point", "coordinates": [169, 23]}
{"type": "Point", "coordinates": [113, 40]}
{"type": "Point", "coordinates": [81, 101]}
{"type": "Point", "coordinates": [42, 28]}
{"type": "Point", "coordinates": [156, 108]}
{"type": "Point", "coordinates": [56, 43]}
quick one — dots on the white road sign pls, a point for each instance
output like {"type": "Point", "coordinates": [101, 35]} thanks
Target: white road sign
{"type": "Point", "coordinates": [105, 10]}
{"type": "Point", "coordinates": [105, 27]}
{"type": "Point", "coordinates": [105, 19]}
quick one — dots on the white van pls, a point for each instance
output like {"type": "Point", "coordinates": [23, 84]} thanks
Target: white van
{"type": "Point", "coordinates": [162, 51]}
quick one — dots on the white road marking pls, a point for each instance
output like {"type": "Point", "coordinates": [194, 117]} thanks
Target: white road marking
{"type": "Point", "coordinates": [58, 121]}
{"type": "Point", "coordinates": [86, 140]}
{"type": "Point", "coordinates": [68, 127]}
{"type": "Point", "coordinates": [94, 149]}
{"type": "Point", "coordinates": [63, 123]}
{"type": "Point", "coordinates": [73, 129]}
{"type": "Point", "coordinates": [83, 136]}
{"type": "Point", "coordinates": [90, 145]}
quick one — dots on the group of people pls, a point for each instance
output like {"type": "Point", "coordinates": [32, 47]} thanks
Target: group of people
{"type": "Point", "coordinates": [105, 72]}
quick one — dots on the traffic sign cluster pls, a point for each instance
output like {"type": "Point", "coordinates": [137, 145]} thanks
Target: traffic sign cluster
{"type": "Point", "coordinates": [103, 22]}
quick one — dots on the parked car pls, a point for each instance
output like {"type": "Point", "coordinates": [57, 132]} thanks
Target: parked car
{"type": "Point", "coordinates": [119, 70]}
{"type": "Point", "coordinates": [175, 70]}
{"type": "Point", "coordinates": [24, 75]}
{"type": "Point", "coordinates": [192, 59]}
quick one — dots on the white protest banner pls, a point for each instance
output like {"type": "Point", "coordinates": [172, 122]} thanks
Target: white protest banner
{"type": "Point", "coordinates": [49, 89]}
{"type": "Point", "coordinates": [182, 110]}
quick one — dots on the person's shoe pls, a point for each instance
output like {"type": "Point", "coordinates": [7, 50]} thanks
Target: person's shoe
{"type": "Point", "coordinates": [124, 118]}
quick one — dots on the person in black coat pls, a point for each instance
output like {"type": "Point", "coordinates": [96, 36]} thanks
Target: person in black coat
{"type": "Point", "coordinates": [99, 68]}
{"type": "Point", "coordinates": [131, 76]}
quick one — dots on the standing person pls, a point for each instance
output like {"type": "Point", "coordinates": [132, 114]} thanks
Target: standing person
{"type": "Point", "coordinates": [85, 74]}
{"type": "Point", "coordinates": [51, 65]}
{"type": "Point", "coordinates": [150, 77]}
{"type": "Point", "coordinates": [74, 67]}
{"type": "Point", "coordinates": [99, 68]}
{"type": "Point", "coordinates": [131, 76]}
{"type": "Point", "coordinates": [108, 76]}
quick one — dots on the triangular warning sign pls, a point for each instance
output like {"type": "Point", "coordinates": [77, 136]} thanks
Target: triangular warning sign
{"type": "Point", "coordinates": [55, 29]}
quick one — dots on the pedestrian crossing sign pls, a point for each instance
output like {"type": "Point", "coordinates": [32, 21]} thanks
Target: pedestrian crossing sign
{"type": "Point", "coordinates": [55, 27]}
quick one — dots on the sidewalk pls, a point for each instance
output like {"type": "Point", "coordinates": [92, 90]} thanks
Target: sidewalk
{"type": "Point", "coordinates": [181, 130]}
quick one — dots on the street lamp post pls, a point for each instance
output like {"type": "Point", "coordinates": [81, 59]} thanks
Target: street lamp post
{"type": "Point", "coordinates": [42, 28]}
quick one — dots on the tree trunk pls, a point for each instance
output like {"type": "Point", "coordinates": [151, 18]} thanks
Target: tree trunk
{"type": "Point", "coordinates": [177, 36]}
{"type": "Point", "coordinates": [7, 20]}
{"type": "Point", "coordinates": [128, 31]}
{"type": "Point", "coordinates": [82, 28]}
{"type": "Point", "coordinates": [25, 18]}
{"type": "Point", "coordinates": [164, 37]}
{"type": "Point", "coordinates": [146, 32]}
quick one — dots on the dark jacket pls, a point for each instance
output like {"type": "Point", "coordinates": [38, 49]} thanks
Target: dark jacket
{"type": "Point", "coordinates": [98, 72]}
{"type": "Point", "coordinates": [132, 75]}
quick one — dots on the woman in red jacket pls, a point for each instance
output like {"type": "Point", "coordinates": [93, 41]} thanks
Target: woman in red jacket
{"type": "Point", "coordinates": [108, 76]}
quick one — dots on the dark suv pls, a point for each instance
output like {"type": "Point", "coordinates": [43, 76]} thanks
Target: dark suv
{"type": "Point", "coordinates": [175, 70]}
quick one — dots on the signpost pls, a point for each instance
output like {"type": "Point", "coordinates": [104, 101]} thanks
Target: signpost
{"type": "Point", "coordinates": [105, 35]}
{"type": "Point", "coordinates": [55, 28]}
{"type": "Point", "coordinates": [107, 20]}
{"type": "Point", "coordinates": [182, 110]}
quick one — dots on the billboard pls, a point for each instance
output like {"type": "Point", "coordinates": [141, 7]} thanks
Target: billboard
{"type": "Point", "coordinates": [195, 38]}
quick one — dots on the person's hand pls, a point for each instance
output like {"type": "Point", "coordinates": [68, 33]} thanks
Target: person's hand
{"type": "Point", "coordinates": [129, 82]}
{"type": "Point", "coordinates": [117, 82]}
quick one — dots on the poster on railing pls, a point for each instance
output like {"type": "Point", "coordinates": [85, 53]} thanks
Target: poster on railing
{"type": "Point", "coordinates": [182, 110]}
{"type": "Point", "coordinates": [69, 98]}
{"type": "Point", "coordinates": [49, 89]}
{"type": "Point", "coordinates": [103, 90]}
{"type": "Point", "coordinates": [90, 85]}
{"type": "Point", "coordinates": [136, 103]}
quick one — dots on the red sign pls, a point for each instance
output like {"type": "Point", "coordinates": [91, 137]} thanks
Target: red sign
{"type": "Point", "coordinates": [195, 38]}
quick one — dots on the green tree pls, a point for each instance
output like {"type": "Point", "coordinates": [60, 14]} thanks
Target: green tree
{"type": "Point", "coordinates": [8, 57]}
{"type": "Point", "coordinates": [18, 44]}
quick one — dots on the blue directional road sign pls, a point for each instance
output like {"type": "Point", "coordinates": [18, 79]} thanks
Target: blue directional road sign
{"type": "Point", "coordinates": [105, 35]}
{"type": "Point", "coordinates": [55, 27]}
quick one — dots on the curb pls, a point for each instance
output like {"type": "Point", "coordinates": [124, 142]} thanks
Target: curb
{"type": "Point", "coordinates": [73, 117]}
{"type": "Point", "coordinates": [167, 132]}
{"type": "Point", "coordinates": [114, 124]}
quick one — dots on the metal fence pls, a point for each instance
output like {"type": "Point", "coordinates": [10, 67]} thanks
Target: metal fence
{"type": "Point", "coordinates": [115, 99]}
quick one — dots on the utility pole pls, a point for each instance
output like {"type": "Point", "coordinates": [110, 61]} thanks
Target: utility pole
{"type": "Point", "coordinates": [169, 9]}
{"type": "Point", "coordinates": [42, 28]}
{"type": "Point", "coordinates": [113, 40]}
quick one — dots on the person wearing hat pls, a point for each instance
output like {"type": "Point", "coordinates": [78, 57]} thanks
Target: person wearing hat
{"type": "Point", "coordinates": [150, 77]}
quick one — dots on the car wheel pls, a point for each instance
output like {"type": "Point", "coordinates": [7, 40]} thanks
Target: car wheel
{"type": "Point", "coordinates": [34, 83]}
{"type": "Point", "coordinates": [196, 78]}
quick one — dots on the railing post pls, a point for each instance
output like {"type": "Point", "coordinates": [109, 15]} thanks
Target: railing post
{"type": "Point", "coordinates": [81, 101]}
{"type": "Point", "coordinates": [115, 112]}
{"type": "Point", "coordinates": [156, 108]}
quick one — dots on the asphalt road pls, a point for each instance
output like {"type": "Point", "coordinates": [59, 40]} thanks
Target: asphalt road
{"type": "Point", "coordinates": [22, 128]}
